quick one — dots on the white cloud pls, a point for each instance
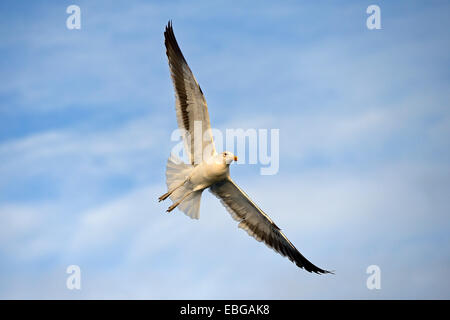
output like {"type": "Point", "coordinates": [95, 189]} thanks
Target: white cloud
{"type": "Point", "coordinates": [128, 149]}
{"type": "Point", "coordinates": [130, 248]}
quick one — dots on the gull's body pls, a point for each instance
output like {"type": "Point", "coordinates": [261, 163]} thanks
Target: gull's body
{"type": "Point", "coordinates": [209, 172]}
{"type": "Point", "coordinates": [208, 169]}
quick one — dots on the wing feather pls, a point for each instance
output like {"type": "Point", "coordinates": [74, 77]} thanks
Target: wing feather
{"type": "Point", "coordinates": [257, 224]}
{"type": "Point", "coordinates": [190, 103]}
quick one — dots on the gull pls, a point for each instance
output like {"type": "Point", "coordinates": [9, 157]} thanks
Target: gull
{"type": "Point", "coordinates": [209, 169]}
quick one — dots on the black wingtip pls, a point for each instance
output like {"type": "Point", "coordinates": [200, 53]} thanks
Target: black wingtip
{"type": "Point", "coordinates": [172, 47]}
{"type": "Point", "coordinates": [325, 272]}
{"type": "Point", "coordinates": [168, 28]}
{"type": "Point", "coordinates": [317, 270]}
{"type": "Point", "coordinates": [308, 266]}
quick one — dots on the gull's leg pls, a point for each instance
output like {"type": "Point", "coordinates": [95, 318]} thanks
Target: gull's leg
{"type": "Point", "coordinates": [173, 206]}
{"type": "Point", "coordinates": [168, 193]}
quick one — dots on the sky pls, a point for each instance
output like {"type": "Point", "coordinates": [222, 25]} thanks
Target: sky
{"type": "Point", "coordinates": [363, 115]}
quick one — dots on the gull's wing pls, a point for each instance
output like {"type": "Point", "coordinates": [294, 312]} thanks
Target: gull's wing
{"type": "Point", "coordinates": [257, 224]}
{"type": "Point", "coordinates": [190, 103]}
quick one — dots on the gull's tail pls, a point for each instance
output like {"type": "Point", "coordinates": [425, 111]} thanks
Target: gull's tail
{"type": "Point", "coordinates": [180, 189]}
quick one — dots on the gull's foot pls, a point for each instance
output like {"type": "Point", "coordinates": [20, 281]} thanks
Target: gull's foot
{"type": "Point", "coordinates": [164, 196]}
{"type": "Point", "coordinates": [172, 207]}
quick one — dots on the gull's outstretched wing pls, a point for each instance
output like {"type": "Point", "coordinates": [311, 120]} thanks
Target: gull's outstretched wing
{"type": "Point", "coordinates": [257, 224]}
{"type": "Point", "coordinates": [190, 103]}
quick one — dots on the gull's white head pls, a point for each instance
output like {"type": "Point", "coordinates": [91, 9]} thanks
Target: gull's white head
{"type": "Point", "coordinates": [227, 157]}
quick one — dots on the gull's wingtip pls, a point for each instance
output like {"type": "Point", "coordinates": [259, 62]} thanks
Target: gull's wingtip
{"type": "Point", "coordinates": [314, 269]}
{"type": "Point", "coordinates": [169, 25]}
{"type": "Point", "coordinates": [321, 271]}
{"type": "Point", "coordinates": [328, 272]}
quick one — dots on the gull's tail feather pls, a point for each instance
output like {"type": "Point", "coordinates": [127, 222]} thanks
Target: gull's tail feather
{"type": "Point", "coordinates": [191, 205]}
{"type": "Point", "coordinates": [177, 173]}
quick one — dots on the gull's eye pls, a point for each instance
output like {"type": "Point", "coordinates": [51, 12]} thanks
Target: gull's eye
{"type": "Point", "coordinates": [225, 154]}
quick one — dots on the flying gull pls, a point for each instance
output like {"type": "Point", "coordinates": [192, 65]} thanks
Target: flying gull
{"type": "Point", "coordinates": [208, 169]}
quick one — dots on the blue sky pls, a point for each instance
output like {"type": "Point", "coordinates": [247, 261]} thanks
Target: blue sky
{"type": "Point", "coordinates": [85, 123]}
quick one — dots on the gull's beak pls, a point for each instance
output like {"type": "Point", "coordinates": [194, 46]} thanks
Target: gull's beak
{"type": "Point", "coordinates": [235, 158]}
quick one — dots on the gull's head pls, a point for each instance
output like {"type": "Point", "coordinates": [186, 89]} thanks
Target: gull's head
{"type": "Point", "coordinates": [228, 157]}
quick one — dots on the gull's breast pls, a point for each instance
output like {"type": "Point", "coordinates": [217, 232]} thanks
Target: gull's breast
{"type": "Point", "coordinates": [206, 174]}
